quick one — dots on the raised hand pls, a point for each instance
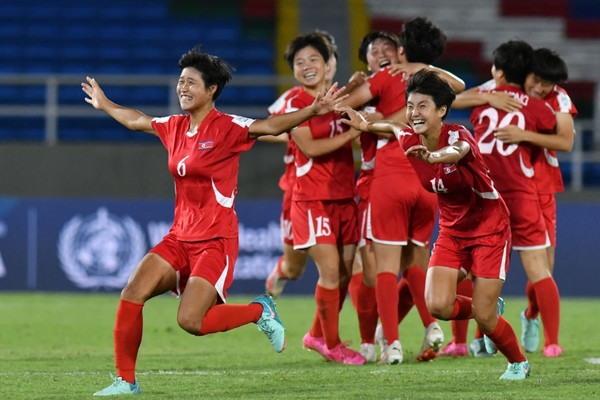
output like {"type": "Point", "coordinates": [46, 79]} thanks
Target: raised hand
{"type": "Point", "coordinates": [96, 96]}
{"type": "Point", "coordinates": [328, 102]}
{"type": "Point", "coordinates": [356, 119]}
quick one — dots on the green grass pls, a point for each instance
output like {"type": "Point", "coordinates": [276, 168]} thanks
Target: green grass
{"type": "Point", "coordinates": [59, 346]}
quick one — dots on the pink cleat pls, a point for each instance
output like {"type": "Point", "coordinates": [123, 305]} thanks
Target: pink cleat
{"type": "Point", "coordinates": [552, 351]}
{"type": "Point", "coordinates": [313, 343]}
{"type": "Point", "coordinates": [343, 355]}
{"type": "Point", "coordinates": [454, 349]}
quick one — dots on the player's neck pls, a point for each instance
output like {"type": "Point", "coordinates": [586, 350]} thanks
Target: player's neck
{"type": "Point", "coordinates": [197, 116]}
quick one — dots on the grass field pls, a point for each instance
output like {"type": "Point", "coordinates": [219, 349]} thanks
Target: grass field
{"type": "Point", "coordinates": [59, 346]}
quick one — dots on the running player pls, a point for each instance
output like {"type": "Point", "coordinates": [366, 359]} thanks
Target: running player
{"type": "Point", "coordinates": [196, 258]}
{"type": "Point", "coordinates": [474, 224]}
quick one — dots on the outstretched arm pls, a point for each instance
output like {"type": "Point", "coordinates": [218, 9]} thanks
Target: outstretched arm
{"type": "Point", "coordinates": [284, 122]}
{"type": "Point", "coordinates": [129, 117]}
{"type": "Point", "coordinates": [357, 121]}
{"type": "Point", "coordinates": [447, 155]}
{"type": "Point", "coordinates": [319, 147]}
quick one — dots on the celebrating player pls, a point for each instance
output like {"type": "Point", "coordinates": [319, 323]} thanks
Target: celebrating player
{"type": "Point", "coordinates": [323, 209]}
{"type": "Point", "coordinates": [512, 166]}
{"type": "Point", "coordinates": [474, 224]}
{"type": "Point", "coordinates": [400, 217]}
{"type": "Point", "coordinates": [196, 258]}
{"type": "Point", "coordinates": [291, 265]}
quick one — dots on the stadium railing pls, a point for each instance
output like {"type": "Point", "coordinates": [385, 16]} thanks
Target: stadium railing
{"type": "Point", "coordinates": [52, 108]}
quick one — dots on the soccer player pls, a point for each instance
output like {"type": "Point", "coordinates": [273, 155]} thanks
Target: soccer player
{"type": "Point", "coordinates": [512, 166]}
{"type": "Point", "coordinates": [323, 211]}
{"type": "Point", "coordinates": [401, 214]}
{"type": "Point", "coordinates": [548, 71]}
{"type": "Point", "coordinates": [474, 223]}
{"type": "Point", "coordinates": [291, 265]}
{"type": "Point", "coordinates": [196, 258]}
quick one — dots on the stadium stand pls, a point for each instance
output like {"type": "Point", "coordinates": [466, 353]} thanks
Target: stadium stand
{"type": "Point", "coordinates": [475, 28]}
{"type": "Point", "coordinates": [134, 37]}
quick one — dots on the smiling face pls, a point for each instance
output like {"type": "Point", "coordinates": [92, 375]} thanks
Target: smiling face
{"type": "Point", "coordinates": [423, 115]}
{"type": "Point", "coordinates": [381, 52]}
{"type": "Point", "coordinates": [309, 67]}
{"type": "Point", "coordinates": [535, 86]}
{"type": "Point", "coordinates": [191, 90]}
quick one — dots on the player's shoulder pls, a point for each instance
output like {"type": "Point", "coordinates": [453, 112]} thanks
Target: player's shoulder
{"type": "Point", "coordinates": [279, 105]}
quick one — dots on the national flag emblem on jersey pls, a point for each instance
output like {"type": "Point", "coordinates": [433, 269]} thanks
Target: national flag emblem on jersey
{"type": "Point", "coordinates": [449, 168]}
{"type": "Point", "coordinates": [209, 144]}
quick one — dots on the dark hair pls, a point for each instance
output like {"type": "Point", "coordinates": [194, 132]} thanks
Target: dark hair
{"type": "Point", "coordinates": [430, 83]}
{"type": "Point", "coordinates": [316, 40]}
{"type": "Point", "coordinates": [549, 66]}
{"type": "Point", "coordinates": [370, 38]}
{"type": "Point", "coordinates": [214, 71]}
{"type": "Point", "coordinates": [513, 58]}
{"type": "Point", "coordinates": [423, 41]}
{"type": "Point", "coordinates": [331, 40]}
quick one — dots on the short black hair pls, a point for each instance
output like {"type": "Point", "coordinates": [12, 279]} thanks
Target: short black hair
{"type": "Point", "coordinates": [422, 40]}
{"type": "Point", "coordinates": [214, 70]}
{"type": "Point", "coordinates": [513, 58]}
{"type": "Point", "coordinates": [370, 38]}
{"type": "Point", "coordinates": [430, 83]}
{"type": "Point", "coordinates": [549, 66]}
{"type": "Point", "coordinates": [313, 39]}
{"type": "Point", "coordinates": [331, 40]}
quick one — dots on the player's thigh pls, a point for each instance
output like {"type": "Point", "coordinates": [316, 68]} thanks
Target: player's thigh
{"type": "Point", "coordinates": [198, 297]}
{"type": "Point", "coordinates": [153, 276]}
{"type": "Point", "coordinates": [440, 289]}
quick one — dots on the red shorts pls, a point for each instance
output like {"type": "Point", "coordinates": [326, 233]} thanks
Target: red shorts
{"type": "Point", "coordinates": [484, 256]}
{"type": "Point", "coordinates": [527, 224]}
{"type": "Point", "coordinates": [324, 222]}
{"type": "Point", "coordinates": [285, 221]}
{"type": "Point", "coordinates": [213, 260]}
{"type": "Point", "coordinates": [400, 212]}
{"type": "Point", "coordinates": [548, 204]}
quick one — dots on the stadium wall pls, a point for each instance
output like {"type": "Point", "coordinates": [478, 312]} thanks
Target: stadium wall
{"type": "Point", "coordinates": [93, 244]}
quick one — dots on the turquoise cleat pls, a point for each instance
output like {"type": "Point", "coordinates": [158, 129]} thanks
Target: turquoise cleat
{"type": "Point", "coordinates": [516, 371]}
{"type": "Point", "coordinates": [477, 348]}
{"type": "Point", "coordinates": [490, 347]}
{"type": "Point", "coordinates": [530, 336]}
{"type": "Point", "coordinates": [120, 387]}
{"type": "Point", "coordinates": [269, 322]}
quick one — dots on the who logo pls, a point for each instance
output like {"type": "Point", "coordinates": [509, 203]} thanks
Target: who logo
{"type": "Point", "coordinates": [100, 250]}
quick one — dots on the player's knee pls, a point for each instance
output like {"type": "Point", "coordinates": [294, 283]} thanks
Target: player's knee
{"type": "Point", "coordinates": [189, 324]}
{"type": "Point", "coordinates": [439, 309]}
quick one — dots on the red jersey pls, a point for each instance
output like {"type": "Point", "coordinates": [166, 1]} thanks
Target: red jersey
{"type": "Point", "coordinates": [469, 204]}
{"type": "Point", "coordinates": [205, 166]}
{"type": "Point", "coordinates": [281, 106]}
{"type": "Point", "coordinates": [389, 93]}
{"type": "Point", "coordinates": [511, 165]}
{"type": "Point", "coordinates": [327, 177]}
{"type": "Point", "coordinates": [547, 171]}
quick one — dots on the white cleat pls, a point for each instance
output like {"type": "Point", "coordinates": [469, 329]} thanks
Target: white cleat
{"type": "Point", "coordinates": [368, 352]}
{"type": "Point", "coordinates": [432, 343]}
{"type": "Point", "coordinates": [392, 354]}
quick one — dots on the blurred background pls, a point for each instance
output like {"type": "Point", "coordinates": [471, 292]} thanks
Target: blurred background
{"type": "Point", "coordinates": [73, 180]}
